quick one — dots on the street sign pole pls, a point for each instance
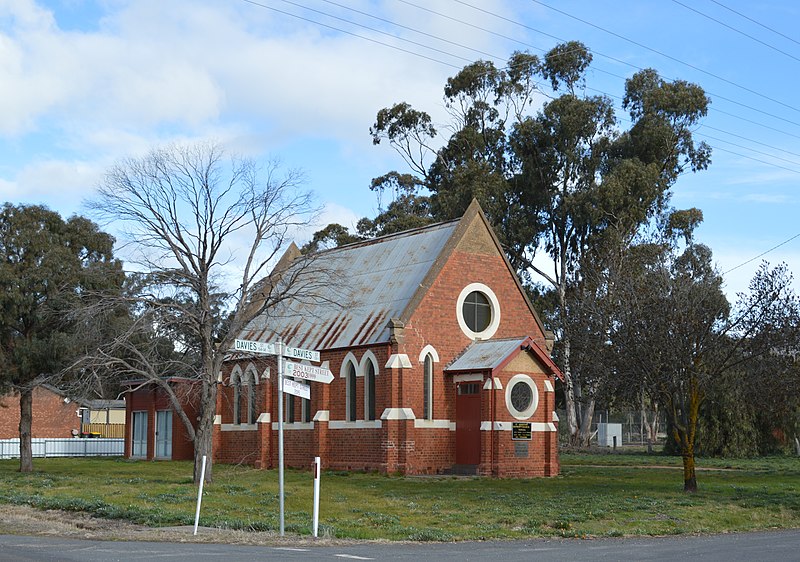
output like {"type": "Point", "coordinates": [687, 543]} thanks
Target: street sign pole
{"type": "Point", "coordinates": [280, 431]}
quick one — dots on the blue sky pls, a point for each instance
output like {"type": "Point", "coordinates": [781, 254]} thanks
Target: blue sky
{"type": "Point", "coordinates": [85, 83]}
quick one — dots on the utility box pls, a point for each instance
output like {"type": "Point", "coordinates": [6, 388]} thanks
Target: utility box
{"type": "Point", "coordinates": [609, 434]}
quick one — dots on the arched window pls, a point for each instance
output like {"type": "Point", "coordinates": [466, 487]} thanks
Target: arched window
{"type": "Point", "coordinates": [369, 391]}
{"type": "Point", "coordinates": [236, 383]}
{"type": "Point", "coordinates": [427, 388]}
{"type": "Point", "coordinates": [252, 410]}
{"type": "Point", "coordinates": [350, 380]}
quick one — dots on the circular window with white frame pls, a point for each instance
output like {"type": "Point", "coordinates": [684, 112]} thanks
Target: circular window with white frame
{"type": "Point", "coordinates": [478, 311]}
{"type": "Point", "coordinates": [522, 397]}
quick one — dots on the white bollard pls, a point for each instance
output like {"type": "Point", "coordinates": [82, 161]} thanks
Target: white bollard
{"type": "Point", "coordinates": [200, 494]}
{"type": "Point", "coordinates": [317, 472]}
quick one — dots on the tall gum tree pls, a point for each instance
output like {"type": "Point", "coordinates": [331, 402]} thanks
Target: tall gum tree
{"type": "Point", "coordinates": [559, 177]}
{"type": "Point", "coordinates": [49, 267]}
{"type": "Point", "coordinates": [191, 217]}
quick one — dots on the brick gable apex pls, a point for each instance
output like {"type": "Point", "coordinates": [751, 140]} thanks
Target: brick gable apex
{"type": "Point", "coordinates": [473, 234]}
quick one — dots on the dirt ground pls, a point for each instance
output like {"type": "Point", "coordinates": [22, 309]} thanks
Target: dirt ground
{"type": "Point", "coordinates": [25, 520]}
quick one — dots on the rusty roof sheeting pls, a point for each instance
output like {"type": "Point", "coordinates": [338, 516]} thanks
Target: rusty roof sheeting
{"type": "Point", "coordinates": [372, 281]}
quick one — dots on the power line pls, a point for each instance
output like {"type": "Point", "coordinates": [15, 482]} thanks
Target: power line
{"type": "Point", "coordinates": [253, 2]}
{"type": "Point", "coordinates": [762, 254]}
{"type": "Point", "coordinates": [748, 18]}
{"type": "Point", "coordinates": [665, 55]}
{"type": "Point", "coordinates": [370, 39]}
{"type": "Point", "coordinates": [739, 31]}
{"type": "Point", "coordinates": [712, 94]}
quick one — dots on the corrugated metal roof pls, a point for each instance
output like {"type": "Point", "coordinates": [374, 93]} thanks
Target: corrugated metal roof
{"type": "Point", "coordinates": [358, 289]}
{"type": "Point", "coordinates": [486, 354]}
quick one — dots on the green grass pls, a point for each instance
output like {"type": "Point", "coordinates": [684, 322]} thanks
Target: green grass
{"type": "Point", "coordinates": [613, 499]}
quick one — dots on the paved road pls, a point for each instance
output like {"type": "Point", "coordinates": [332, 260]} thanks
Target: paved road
{"type": "Point", "coordinates": [779, 545]}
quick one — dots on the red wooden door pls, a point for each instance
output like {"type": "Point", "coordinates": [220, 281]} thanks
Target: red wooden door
{"type": "Point", "coordinates": [468, 423]}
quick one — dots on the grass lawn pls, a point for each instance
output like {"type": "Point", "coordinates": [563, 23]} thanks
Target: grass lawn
{"type": "Point", "coordinates": [596, 495]}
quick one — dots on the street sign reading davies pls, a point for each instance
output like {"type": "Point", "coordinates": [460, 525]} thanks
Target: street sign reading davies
{"type": "Point", "coordinates": [299, 353]}
{"type": "Point", "coordinates": [297, 388]}
{"type": "Point", "coordinates": [316, 374]}
{"type": "Point", "coordinates": [255, 346]}
{"type": "Point", "coordinates": [272, 349]}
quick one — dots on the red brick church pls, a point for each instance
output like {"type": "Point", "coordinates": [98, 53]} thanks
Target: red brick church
{"type": "Point", "coordinates": [440, 364]}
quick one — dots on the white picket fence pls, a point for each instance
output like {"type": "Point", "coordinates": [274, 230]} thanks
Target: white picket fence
{"type": "Point", "coordinates": [78, 447]}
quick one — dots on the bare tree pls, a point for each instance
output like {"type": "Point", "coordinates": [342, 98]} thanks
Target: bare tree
{"type": "Point", "coordinates": [192, 216]}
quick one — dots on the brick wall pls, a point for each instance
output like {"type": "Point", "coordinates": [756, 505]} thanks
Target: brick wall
{"type": "Point", "coordinates": [52, 416]}
{"type": "Point", "coordinates": [152, 399]}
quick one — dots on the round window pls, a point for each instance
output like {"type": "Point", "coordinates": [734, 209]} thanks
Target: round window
{"type": "Point", "coordinates": [522, 397]}
{"type": "Point", "coordinates": [477, 311]}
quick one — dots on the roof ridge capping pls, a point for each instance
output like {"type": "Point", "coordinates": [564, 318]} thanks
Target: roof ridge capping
{"type": "Point", "coordinates": [385, 237]}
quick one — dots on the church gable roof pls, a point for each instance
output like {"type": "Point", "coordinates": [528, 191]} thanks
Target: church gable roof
{"type": "Point", "coordinates": [368, 283]}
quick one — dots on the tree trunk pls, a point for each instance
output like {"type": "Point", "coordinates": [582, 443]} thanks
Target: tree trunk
{"type": "Point", "coordinates": [25, 423]}
{"type": "Point", "coordinates": [571, 401]}
{"type": "Point", "coordinates": [689, 433]}
{"type": "Point", "coordinates": [689, 476]}
{"type": "Point", "coordinates": [203, 440]}
{"type": "Point", "coordinates": [650, 427]}
{"type": "Point", "coordinates": [585, 435]}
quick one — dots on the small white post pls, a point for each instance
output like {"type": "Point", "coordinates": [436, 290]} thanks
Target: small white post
{"type": "Point", "coordinates": [200, 494]}
{"type": "Point", "coordinates": [317, 472]}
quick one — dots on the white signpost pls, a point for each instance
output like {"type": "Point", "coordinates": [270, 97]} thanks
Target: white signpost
{"type": "Point", "coordinates": [308, 372]}
{"type": "Point", "coordinates": [292, 387]}
{"type": "Point", "coordinates": [297, 388]}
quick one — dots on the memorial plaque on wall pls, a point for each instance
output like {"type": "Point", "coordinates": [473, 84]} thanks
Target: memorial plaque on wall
{"type": "Point", "coordinates": [521, 449]}
{"type": "Point", "coordinates": [521, 431]}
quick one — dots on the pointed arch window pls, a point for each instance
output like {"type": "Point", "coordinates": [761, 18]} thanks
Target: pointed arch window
{"type": "Point", "coordinates": [236, 383]}
{"type": "Point", "coordinates": [350, 381]}
{"type": "Point", "coordinates": [252, 410]}
{"type": "Point", "coordinates": [369, 391]}
{"type": "Point", "coordinates": [427, 388]}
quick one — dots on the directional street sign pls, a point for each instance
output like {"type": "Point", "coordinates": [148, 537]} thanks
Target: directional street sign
{"type": "Point", "coordinates": [296, 370]}
{"type": "Point", "coordinates": [299, 353]}
{"type": "Point", "coordinates": [307, 372]}
{"type": "Point", "coordinates": [255, 347]}
{"type": "Point", "coordinates": [297, 388]}
{"type": "Point", "coordinates": [272, 349]}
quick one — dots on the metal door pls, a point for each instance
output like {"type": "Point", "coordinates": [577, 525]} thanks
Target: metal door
{"type": "Point", "coordinates": [164, 434]}
{"type": "Point", "coordinates": [468, 423]}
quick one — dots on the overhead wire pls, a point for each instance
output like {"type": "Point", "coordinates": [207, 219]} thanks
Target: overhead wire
{"type": "Point", "coordinates": [665, 55]}
{"type": "Point", "coordinates": [395, 47]}
{"type": "Point", "coordinates": [762, 254]}
{"type": "Point", "coordinates": [748, 18]}
{"type": "Point", "coordinates": [711, 93]}
{"type": "Point", "coordinates": [495, 57]}
{"type": "Point", "coordinates": [739, 31]}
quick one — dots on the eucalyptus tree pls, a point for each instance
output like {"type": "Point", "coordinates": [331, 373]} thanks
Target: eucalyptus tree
{"type": "Point", "coordinates": [205, 231]}
{"type": "Point", "coordinates": [49, 267]}
{"type": "Point", "coordinates": [554, 171]}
